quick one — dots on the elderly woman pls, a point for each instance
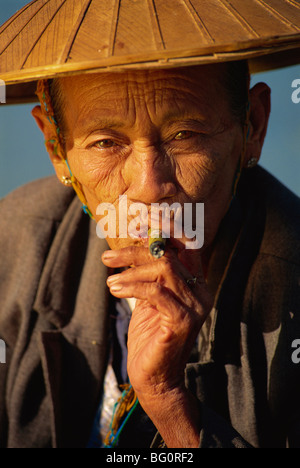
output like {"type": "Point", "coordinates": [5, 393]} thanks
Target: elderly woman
{"type": "Point", "coordinates": [206, 359]}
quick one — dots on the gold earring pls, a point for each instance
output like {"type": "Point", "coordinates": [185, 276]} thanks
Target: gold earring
{"type": "Point", "coordinates": [252, 162]}
{"type": "Point", "coordinates": [66, 181]}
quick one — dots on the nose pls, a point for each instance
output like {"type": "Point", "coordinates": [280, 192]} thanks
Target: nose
{"type": "Point", "coordinates": [149, 175]}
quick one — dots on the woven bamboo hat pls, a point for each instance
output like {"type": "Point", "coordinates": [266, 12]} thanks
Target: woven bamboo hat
{"type": "Point", "coordinates": [50, 38]}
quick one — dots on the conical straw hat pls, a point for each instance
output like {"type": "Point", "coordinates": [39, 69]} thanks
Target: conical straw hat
{"type": "Point", "coordinates": [49, 38]}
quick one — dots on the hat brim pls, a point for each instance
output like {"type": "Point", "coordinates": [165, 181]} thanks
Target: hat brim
{"type": "Point", "coordinates": [62, 37]}
{"type": "Point", "coordinates": [22, 92]}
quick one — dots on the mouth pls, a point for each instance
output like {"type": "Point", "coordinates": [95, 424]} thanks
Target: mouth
{"type": "Point", "coordinates": [175, 222]}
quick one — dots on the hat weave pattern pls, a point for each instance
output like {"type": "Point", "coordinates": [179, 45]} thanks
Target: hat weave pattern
{"type": "Point", "coordinates": [48, 38]}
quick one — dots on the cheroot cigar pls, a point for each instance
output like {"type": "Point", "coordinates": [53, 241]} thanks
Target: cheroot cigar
{"type": "Point", "coordinates": [157, 243]}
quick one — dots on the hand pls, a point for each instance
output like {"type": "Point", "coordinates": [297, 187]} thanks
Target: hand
{"type": "Point", "coordinates": [164, 325]}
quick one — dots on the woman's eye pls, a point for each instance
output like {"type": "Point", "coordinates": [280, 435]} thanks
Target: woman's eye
{"type": "Point", "coordinates": [185, 134]}
{"type": "Point", "coordinates": [106, 143]}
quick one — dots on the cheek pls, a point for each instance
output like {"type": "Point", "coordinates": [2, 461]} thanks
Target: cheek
{"type": "Point", "coordinates": [208, 171]}
{"type": "Point", "coordinates": [100, 180]}
{"type": "Point", "coordinates": [208, 179]}
{"type": "Point", "coordinates": [198, 174]}
{"type": "Point", "coordinates": [220, 194]}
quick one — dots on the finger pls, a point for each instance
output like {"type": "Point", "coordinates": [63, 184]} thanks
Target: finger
{"type": "Point", "coordinates": [161, 298]}
{"type": "Point", "coordinates": [126, 257]}
{"type": "Point", "coordinates": [167, 272]}
{"type": "Point", "coordinates": [133, 256]}
{"type": "Point", "coordinates": [148, 274]}
{"type": "Point", "coordinates": [161, 271]}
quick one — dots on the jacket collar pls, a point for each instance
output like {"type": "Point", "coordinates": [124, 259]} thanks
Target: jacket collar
{"type": "Point", "coordinates": [72, 289]}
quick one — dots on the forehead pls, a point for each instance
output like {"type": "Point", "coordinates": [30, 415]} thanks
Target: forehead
{"type": "Point", "coordinates": [156, 92]}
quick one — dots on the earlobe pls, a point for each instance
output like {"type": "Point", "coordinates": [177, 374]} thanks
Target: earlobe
{"type": "Point", "coordinates": [251, 163]}
{"type": "Point", "coordinates": [259, 117]}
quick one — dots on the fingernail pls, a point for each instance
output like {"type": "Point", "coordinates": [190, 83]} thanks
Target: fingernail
{"type": "Point", "coordinates": [108, 254]}
{"type": "Point", "coordinates": [113, 279]}
{"type": "Point", "coordinates": [116, 288]}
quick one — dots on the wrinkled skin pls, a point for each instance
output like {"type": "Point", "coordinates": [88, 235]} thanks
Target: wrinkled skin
{"type": "Point", "coordinates": [159, 136]}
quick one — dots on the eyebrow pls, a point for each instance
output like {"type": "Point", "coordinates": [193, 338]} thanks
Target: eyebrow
{"type": "Point", "coordinates": [171, 117]}
{"type": "Point", "coordinates": [186, 115]}
{"type": "Point", "coordinates": [173, 120]}
{"type": "Point", "coordinates": [100, 124]}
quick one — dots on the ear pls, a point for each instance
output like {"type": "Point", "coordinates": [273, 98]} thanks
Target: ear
{"type": "Point", "coordinates": [260, 107]}
{"type": "Point", "coordinates": [47, 129]}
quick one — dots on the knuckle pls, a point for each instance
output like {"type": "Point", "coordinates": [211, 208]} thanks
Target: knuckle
{"type": "Point", "coordinates": [155, 289]}
{"type": "Point", "coordinates": [132, 250]}
{"type": "Point", "coordinates": [167, 266]}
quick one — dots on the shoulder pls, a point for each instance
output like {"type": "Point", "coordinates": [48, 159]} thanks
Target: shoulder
{"type": "Point", "coordinates": [281, 207]}
{"type": "Point", "coordinates": [273, 285]}
{"type": "Point", "coordinates": [30, 218]}
{"type": "Point", "coordinates": [44, 198]}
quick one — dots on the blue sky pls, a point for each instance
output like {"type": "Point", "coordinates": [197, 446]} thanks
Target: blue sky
{"type": "Point", "coordinates": [23, 157]}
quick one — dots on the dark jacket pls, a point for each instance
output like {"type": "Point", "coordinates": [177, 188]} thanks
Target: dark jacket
{"type": "Point", "coordinates": [54, 320]}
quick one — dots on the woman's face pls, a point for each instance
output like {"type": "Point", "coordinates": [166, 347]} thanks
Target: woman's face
{"type": "Point", "coordinates": [157, 137]}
